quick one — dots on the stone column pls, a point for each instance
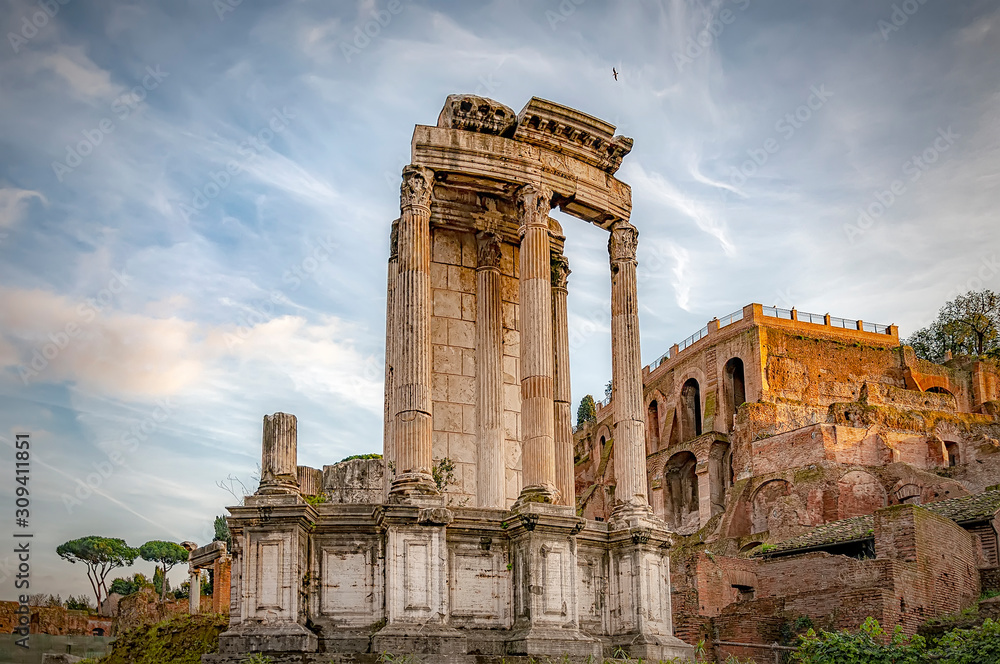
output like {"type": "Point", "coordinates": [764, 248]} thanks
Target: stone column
{"type": "Point", "coordinates": [491, 469]}
{"type": "Point", "coordinates": [537, 413]}
{"type": "Point", "coordinates": [194, 592]}
{"type": "Point", "coordinates": [278, 455]}
{"type": "Point", "coordinates": [412, 313]}
{"type": "Point", "coordinates": [626, 373]}
{"type": "Point", "coordinates": [391, 334]}
{"type": "Point", "coordinates": [565, 480]}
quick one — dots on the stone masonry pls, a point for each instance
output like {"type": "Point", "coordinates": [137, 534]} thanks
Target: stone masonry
{"type": "Point", "coordinates": [473, 545]}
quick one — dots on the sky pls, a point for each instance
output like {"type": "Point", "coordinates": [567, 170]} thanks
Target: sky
{"type": "Point", "coordinates": [195, 202]}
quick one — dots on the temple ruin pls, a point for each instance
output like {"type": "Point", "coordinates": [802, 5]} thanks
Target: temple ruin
{"type": "Point", "coordinates": [487, 555]}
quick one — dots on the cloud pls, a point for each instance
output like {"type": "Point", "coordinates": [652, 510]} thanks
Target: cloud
{"type": "Point", "coordinates": [654, 186]}
{"type": "Point", "coordinates": [14, 204]}
{"type": "Point", "coordinates": [86, 80]}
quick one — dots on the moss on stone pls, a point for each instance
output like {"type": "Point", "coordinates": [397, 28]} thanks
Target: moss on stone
{"type": "Point", "coordinates": [179, 640]}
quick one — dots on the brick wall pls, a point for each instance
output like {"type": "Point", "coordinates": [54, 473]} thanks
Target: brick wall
{"type": "Point", "coordinates": [934, 569]}
{"type": "Point", "coordinates": [55, 620]}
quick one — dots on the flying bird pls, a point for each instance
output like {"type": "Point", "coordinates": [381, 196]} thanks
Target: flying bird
{"type": "Point", "coordinates": [615, 72]}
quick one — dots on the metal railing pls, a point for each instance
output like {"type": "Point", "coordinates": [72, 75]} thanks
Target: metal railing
{"type": "Point", "coordinates": [877, 328]}
{"type": "Point", "coordinates": [775, 312]}
{"type": "Point", "coordinates": [806, 317]}
{"type": "Point", "coordinates": [700, 334]}
{"type": "Point", "coordinates": [731, 318]}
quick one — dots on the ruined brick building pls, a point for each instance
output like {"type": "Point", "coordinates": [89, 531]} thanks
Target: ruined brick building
{"type": "Point", "coordinates": [810, 438]}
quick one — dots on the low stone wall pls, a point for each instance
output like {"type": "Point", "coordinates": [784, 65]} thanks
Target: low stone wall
{"type": "Point", "coordinates": [55, 620]}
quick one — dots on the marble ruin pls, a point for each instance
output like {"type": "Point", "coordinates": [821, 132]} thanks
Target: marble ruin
{"type": "Point", "coordinates": [472, 544]}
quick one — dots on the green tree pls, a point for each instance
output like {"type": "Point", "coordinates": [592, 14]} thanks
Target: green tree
{"type": "Point", "coordinates": [100, 555]}
{"type": "Point", "coordinates": [968, 325]}
{"type": "Point", "coordinates": [222, 532]}
{"type": "Point", "coordinates": [587, 412]}
{"type": "Point", "coordinates": [167, 554]}
{"type": "Point", "coordinates": [81, 603]}
{"type": "Point", "coordinates": [129, 585]}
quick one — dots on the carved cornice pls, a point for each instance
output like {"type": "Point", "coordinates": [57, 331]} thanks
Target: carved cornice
{"type": "Point", "coordinates": [489, 251]}
{"type": "Point", "coordinates": [623, 242]}
{"type": "Point", "coordinates": [534, 201]}
{"type": "Point", "coordinates": [415, 191]}
{"type": "Point", "coordinates": [560, 271]}
{"type": "Point", "coordinates": [478, 114]}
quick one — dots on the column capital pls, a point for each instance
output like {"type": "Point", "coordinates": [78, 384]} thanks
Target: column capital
{"type": "Point", "coordinates": [488, 245]}
{"type": "Point", "coordinates": [394, 241]}
{"type": "Point", "coordinates": [560, 271]}
{"type": "Point", "coordinates": [623, 241]}
{"type": "Point", "coordinates": [534, 201]}
{"type": "Point", "coordinates": [415, 191]}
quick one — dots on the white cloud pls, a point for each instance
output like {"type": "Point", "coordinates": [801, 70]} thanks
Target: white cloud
{"type": "Point", "coordinates": [14, 204]}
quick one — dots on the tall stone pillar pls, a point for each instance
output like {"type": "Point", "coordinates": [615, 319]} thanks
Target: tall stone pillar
{"type": "Point", "coordinates": [278, 455]}
{"type": "Point", "coordinates": [412, 313]}
{"type": "Point", "coordinates": [626, 374]}
{"type": "Point", "coordinates": [537, 413]}
{"type": "Point", "coordinates": [391, 334]}
{"type": "Point", "coordinates": [565, 480]}
{"type": "Point", "coordinates": [491, 469]}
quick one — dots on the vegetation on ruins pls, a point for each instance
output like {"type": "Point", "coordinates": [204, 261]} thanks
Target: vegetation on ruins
{"type": "Point", "coordinates": [587, 412]}
{"type": "Point", "coordinates": [361, 456]}
{"type": "Point", "coordinates": [100, 555]}
{"type": "Point", "coordinates": [179, 640]}
{"type": "Point", "coordinates": [870, 646]}
{"type": "Point", "coordinates": [443, 473]}
{"type": "Point", "coordinates": [167, 554]}
{"type": "Point", "coordinates": [967, 325]}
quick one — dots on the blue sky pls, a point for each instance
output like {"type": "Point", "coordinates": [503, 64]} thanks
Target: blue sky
{"type": "Point", "coordinates": [195, 200]}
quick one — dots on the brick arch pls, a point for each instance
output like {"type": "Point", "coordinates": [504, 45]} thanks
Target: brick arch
{"type": "Point", "coordinates": [661, 428]}
{"type": "Point", "coordinates": [859, 493]}
{"type": "Point", "coordinates": [763, 501]}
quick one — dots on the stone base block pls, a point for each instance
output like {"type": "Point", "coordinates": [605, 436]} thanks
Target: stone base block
{"type": "Point", "coordinates": [267, 637]}
{"type": "Point", "coordinates": [345, 640]}
{"type": "Point", "coordinates": [554, 642]}
{"type": "Point", "coordinates": [650, 647]}
{"type": "Point", "coordinates": [403, 639]}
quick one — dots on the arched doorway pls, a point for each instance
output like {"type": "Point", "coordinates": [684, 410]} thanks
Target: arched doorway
{"type": "Point", "coordinates": [652, 427]}
{"type": "Point", "coordinates": [690, 408]}
{"type": "Point", "coordinates": [680, 491]}
{"type": "Point", "coordinates": [720, 475]}
{"type": "Point", "coordinates": [735, 386]}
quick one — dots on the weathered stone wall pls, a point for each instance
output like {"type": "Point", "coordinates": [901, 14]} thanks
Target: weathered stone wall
{"type": "Point", "coordinates": [453, 373]}
{"type": "Point", "coordinates": [354, 481]}
{"type": "Point", "coordinates": [56, 620]}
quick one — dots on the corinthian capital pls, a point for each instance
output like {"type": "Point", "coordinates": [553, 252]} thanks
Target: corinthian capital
{"type": "Point", "coordinates": [416, 187]}
{"type": "Point", "coordinates": [560, 271]}
{"type": "Point", "coordinates": [534, 201]}
{"type": "Point", "coordinates": [489, 251]}
{"type": "Point", "coordinates": [623, 241]}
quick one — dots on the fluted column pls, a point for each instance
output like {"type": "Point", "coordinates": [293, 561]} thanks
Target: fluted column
{"type": "Point", "coordinates": [489, 377]}
{"type": "Point", "coordinates": [626, 373]}
{"type": "Point", "coordinates": [278, 454]}
{"type": "Point", "coordinates": [412, 313]}
{"type": "Point", "coordinates": [565, 481]}
{"type": "Point", "coordinates": [537, 414]}
{"type": "Point", "coordinates": [391, 335]}
{"type": "Point", "coordinates": [194, 591]}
